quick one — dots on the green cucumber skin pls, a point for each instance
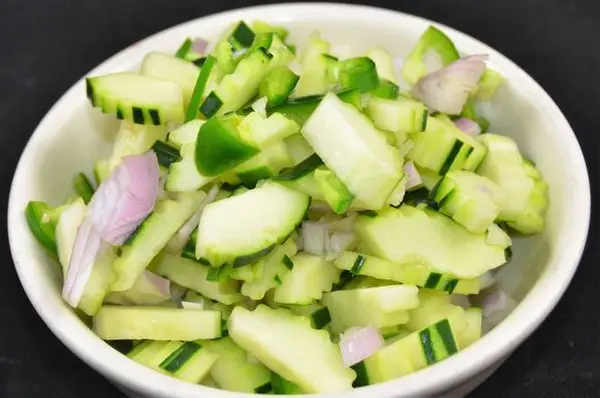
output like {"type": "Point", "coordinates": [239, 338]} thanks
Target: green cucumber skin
{"type": "Point", "coordinates": [180, 356]}
{"type": "Point", "coordinates": [300, 109]}
{"type": "Point", "coordinates": [165, 153]}
{"type": "Point", "coordinates": [203, 76]}
{"type": "Point", "coordinates": [83, 187]}
{"type": "Point", "coordinates": [301, 169]}
{"type": "Point", "coordinates": [218, 149]}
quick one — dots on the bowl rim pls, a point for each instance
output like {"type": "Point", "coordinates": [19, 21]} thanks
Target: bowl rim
{"type": "Point", "coordinates": [494, 346]}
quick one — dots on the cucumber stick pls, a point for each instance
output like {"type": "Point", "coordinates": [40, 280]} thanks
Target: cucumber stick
{"type": "Point", "coordinates": [152, 235]}
{"type": "Point", "coordinates": [408, 354]}
{"type": "Point", "coordinates": [354, 150]}
{"type": "Point", "coordinates": [258, 220]}
{"type": "Point", "coordinates": [384, 64]}
{"type": "Point", "coordinates": [408, 274]}
{"type": "Point", "coordinates": [156, 323]}
{"type": "Point", "coordinates": [137, 98]}
{"type": "Point", "coordinates": [267, 333]}
{"type": "Point", "coordinates": [379, 306]}
{"type": "Point", "coordinates": [414, 236]}
{"type": "Point", "coordinates": [134, 139]}
{"type": "Point", "coordinates": [188, 361]}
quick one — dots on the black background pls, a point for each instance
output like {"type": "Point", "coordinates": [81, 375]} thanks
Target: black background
{"type": "Point", "coordinates": [45, 46]}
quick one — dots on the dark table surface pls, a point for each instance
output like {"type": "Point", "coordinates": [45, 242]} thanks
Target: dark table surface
{"type": "Point", "coordinates": [48, 45]}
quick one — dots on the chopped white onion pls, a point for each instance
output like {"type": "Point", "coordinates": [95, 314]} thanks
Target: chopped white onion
{"type": "Point", "coordinates": [178, 241]}
{"type": "Point", "coordinates": [496, 307]}
{"type": "Point", "coordinates": [315, 236]}
{"type": "Point", "coordinates": [358, 344]}
{"type": "Point", "coordinates": [460, 300]}
{"type": "Point", "coordinates": [447, 90]}
{"type": "Point", "coordinates": [412, 174]}
{"type": "Point", "coordinates": [260, 106]}
{"type": "Point", "coordinates": [468, 126]}
{"type": "Point", "coordinates": [199, 46]}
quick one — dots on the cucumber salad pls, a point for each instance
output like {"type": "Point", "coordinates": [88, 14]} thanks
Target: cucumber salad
{"type": "Point", "coordinates": [285, 221]}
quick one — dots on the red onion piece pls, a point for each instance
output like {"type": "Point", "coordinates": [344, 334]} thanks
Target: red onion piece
{"type": "Point", "coordinates": [359, 344]}
{"type": "Point", "coordinates": [412, 174]}
{"type": "Point", "coordinates": [87, 247]}
{"type": "Point", "coordinates": [149, 289]}
{"type": "Point", "coordinates": [199, 46]}
{"type": "Point", "coordinates": [117, 208]}
{"type": "Point", "coordinates": [468, 126]}
{"type": "Point", "coordinates": [447, 90]}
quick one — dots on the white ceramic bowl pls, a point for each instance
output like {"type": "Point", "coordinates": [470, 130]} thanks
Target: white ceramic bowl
{"type": "Point", "coordinates": [71, 137]}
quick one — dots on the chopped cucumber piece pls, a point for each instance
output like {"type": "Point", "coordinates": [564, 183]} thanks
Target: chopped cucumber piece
{"type": "Point", "coordinates": [308, 278]}
{"type": "Point", "coordinates": [334, 191]}
{"type": "Point", "coordinates": [443, 147]}
{"type": "Point", "coordinates": [377, 306]}
{"type": "Point", "coordinates": [188, 361]}
{"type": "Point", "coordinates": [272, 269]}
{"type": "Point", "coordinates": [384, 64]}
{"type": "Point", "coordinates": [236, 89]}
{"type": "Point", "coordinates": [313, 79]}
{"type": "Point", "coordinates": [192, 275]}
{"type": "Point", "coordinates": [369, 167]}
{"type": "Point", "coordinates": [258, 220]}
{"type": "Point", "coordinates": [137, 98]}
{"type": "Point", "coordinates": [408, 354]}
{"type": "Point", "coordinates": [408, 274]}
{"type": "Point", "coordinates": [298, 148]}
{"type": "Point", "coordinates": [277, 85]}
{"type": "Point", "coordinates": [267, 333]}
{"type": "Point", "coordinates": [522, 184]}
{"type": "Point", "coordinates": [132, 139]}
{"type": "Point", "coordinates": [471, 200]}
{"type": "Point", "coordinates": [97, 285]}
{"type": "Point", "coordinates": [151, 236]}
{"type": "Point", "coordinates": [263, 132]}
{"type": "Point", "coordinates": [434, 40]}
{"type": "Point", "coordinates": [488, 84]}
{"type": "Point", "coordinates": [414, 236]}
{"type": "Point", "coordinates": [318, 314]}
{"type": "Point", "coordinates": [233, 372]}
{"type": "Point", "coordinates": [400, 116]}
{"type": "Point", "coordinates": [156, 323]}
{"type": "Point", "coordinates": [186, 133]}
{"type": "Point", "coordinates": [172, 69]}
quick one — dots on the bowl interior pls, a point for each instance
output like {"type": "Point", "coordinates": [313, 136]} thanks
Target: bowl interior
{"type": "Point", "coordinates": [73, 136]}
